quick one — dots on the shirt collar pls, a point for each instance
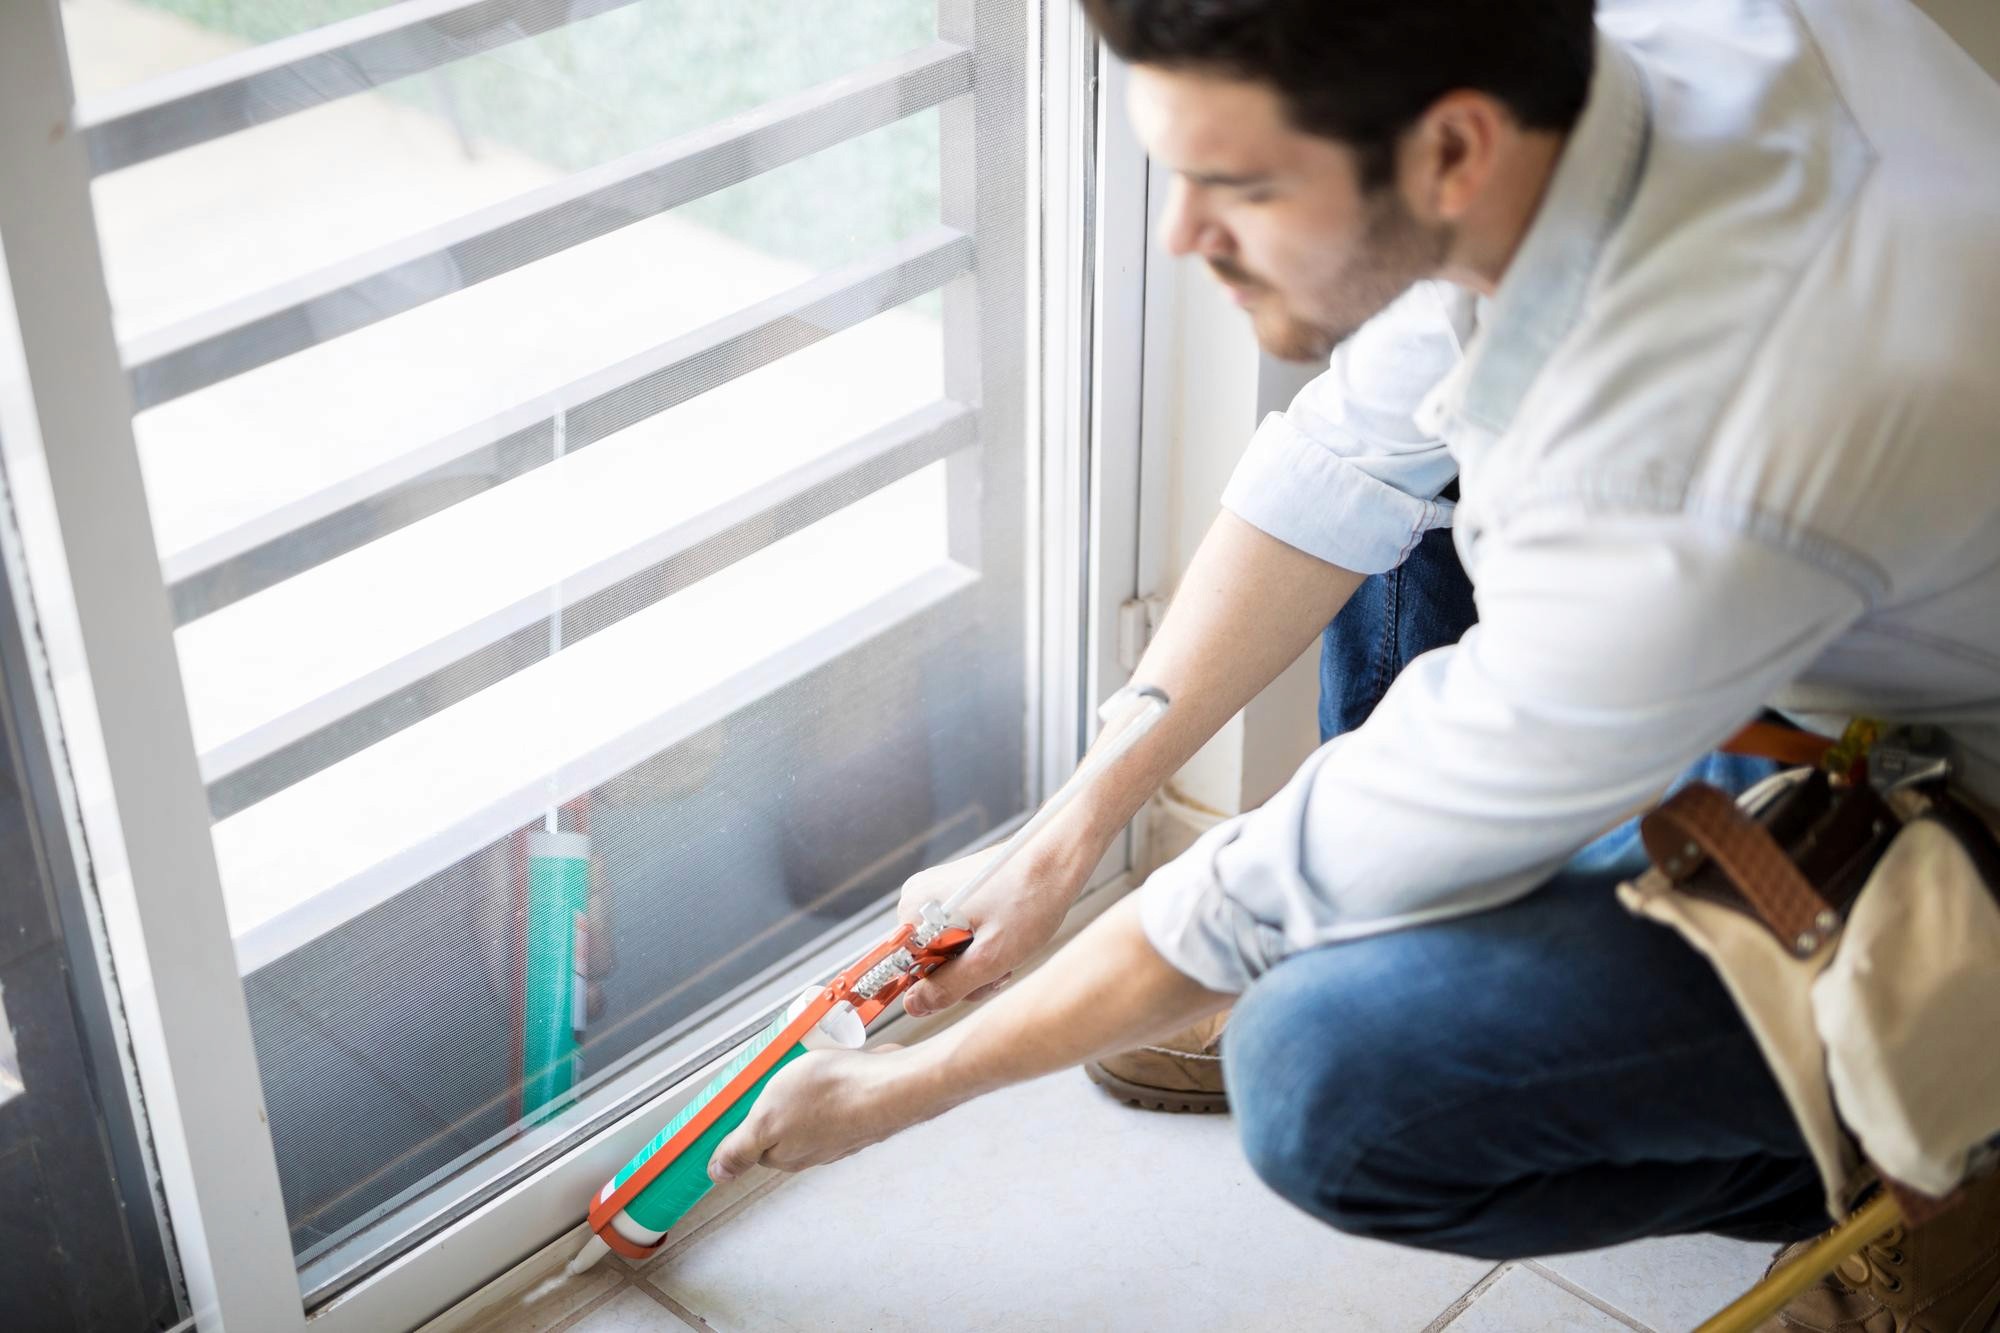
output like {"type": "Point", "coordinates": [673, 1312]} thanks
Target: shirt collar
{"type": "Point", "coordinates": [1541, 296]}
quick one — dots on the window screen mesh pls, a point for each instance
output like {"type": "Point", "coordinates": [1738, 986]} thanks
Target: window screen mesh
{"type": "Point", "coordinates": [612, 430]}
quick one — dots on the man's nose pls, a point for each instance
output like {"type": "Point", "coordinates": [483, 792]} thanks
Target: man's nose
{"type": "Point", "coordinates": [1185, 228]}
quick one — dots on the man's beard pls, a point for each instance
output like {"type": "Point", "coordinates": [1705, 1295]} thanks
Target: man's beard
{"type": "Point", "coordinates": [1395, 251]}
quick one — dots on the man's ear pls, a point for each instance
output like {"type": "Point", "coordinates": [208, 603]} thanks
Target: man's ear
{"type": "Point", "coordinates": [1446, 159]}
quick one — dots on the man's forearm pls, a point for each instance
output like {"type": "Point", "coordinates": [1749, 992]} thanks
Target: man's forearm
{"type": "Point", "coordinates": [1244, 611]}
{"type": "Point", "coordinates": [1106, 991]}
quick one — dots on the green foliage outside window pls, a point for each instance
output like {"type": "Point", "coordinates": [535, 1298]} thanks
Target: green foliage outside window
{"type": "Point", "coordinates": [636, 75]}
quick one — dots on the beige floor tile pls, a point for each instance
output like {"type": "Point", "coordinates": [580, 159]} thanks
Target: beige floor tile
{"type": "Point", "coordinates": [1523, 1301]}
{"type": "Point", "coordinates": [1048, 1207]}
{"type": "Point", "coordinates": [1668, 1284]}
{"type": "Point", "coordinates": [739, 1193]}
{"type": "Point", "coordinates": [632, 1310]}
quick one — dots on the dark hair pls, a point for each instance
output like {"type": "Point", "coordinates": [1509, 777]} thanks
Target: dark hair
{"type": "Point", "coordinates": [1363, 71]}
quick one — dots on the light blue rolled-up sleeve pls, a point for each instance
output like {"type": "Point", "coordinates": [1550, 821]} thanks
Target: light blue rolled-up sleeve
{"type": "Point", "coordinates": [1345, 474]}
{"type": "Point", "coordinates": [1608, 657]}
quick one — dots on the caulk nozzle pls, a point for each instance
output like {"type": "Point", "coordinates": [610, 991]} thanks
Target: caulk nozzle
{"type": "Point", "coordinates": [587, 1257]}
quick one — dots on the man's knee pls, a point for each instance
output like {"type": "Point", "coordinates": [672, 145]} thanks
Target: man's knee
{"type": "Point", "coordinates": [1322, 1068]}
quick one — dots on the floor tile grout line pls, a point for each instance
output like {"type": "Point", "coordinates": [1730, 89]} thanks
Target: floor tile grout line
{"type": "Point", "coordinates": [674, 1307]}
{"type": "Point", "coordinates": [645, 1273]}
{"type": "Point", "coordinates": [1464, 1302]}
{"type": "Point", "coordinates": [1583, 1294]}
{"type": "Point", "coordinates": [576, 1316]}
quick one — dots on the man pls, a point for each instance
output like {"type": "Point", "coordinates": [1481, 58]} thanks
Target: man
{"type": "Point", "coordinates": [1696, 302]}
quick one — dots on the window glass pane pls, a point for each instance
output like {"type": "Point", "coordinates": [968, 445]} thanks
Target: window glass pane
{"type": "Point", "coordinates": [116, 43]}
{"type": "Point", "coordinates": [190, 231]}
{"type": "Point", "coordinates": [304, 428]}
{"type": "Point", "coordinates": [707, 860]}
{"type": "Point", "coordinates": [571, 646]}
{"type": "Point", "coordinates": [256, 669]}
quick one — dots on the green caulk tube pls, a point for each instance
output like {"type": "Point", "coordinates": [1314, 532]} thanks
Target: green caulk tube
{"type": "Point", "coordinates": [552, 982]}
{"type": "Point", "coordinates": [656, 1209]}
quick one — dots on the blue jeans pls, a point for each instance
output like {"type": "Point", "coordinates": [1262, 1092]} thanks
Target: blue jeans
{"type": "Point", "coordinates": [1424, 603]}
{"type": "Point", "coordinates": [1550, 1075]}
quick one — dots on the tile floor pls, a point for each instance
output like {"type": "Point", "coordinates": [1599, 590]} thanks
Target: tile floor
{"type": "Point", "coordinates": [1053, 1207]}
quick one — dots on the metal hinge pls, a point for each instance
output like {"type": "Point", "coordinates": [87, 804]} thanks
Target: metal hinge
{"type": "Point", "coordinates": [1138, 619]}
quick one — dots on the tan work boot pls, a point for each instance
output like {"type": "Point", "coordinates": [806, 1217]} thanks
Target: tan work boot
{"type": "Point", "coordinates": [1942, 1278]}
{"type": "Point", "coordinates": [1182, 1073]}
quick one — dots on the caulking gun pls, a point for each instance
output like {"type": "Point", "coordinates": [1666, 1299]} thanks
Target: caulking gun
{"type": "Point", "coordinates": [634, 1211]}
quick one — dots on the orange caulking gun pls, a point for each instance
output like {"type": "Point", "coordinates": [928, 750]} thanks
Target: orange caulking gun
{"type": "Point", "coordinates": [634, 1211]}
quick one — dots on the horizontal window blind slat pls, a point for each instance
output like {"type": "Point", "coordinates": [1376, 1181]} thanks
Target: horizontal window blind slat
{"type": "Point", "coordinates": [321, 853]}
{"type": "Point", "coordinates": [310, 69]}
{"type": "Point", "coordinates": [255, 556]}
{"type": "Point", "coordinates": [282, 722]}
{"type": "Point", "coordinates": [266, 326]}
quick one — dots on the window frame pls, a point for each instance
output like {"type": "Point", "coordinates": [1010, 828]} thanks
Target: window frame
{"type": "Point", "coordinates": [176, 965]}
{"type": "Point", "coordinates": [178, 980]}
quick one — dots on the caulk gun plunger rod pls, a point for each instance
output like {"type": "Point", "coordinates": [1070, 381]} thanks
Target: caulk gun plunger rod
{"type": "Point", "coordinates": [1151, 706]}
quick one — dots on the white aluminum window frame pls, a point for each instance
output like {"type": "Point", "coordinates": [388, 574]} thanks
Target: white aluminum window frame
{"type": "Point", "coordinates": [168, 934]}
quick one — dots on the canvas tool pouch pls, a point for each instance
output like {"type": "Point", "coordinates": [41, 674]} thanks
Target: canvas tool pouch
{"type": "Point", "coordinates": [1860, 938]}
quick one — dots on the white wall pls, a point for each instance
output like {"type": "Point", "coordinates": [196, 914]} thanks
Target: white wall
{"type": "Point", "coordinates": [1219, 387]}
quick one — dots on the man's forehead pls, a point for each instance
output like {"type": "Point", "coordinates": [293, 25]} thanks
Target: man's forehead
{"type": "Point", "coordinates": [1205, 125]}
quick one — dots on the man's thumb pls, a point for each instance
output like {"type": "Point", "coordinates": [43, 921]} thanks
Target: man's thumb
{"type": "Point", "coordinates": [735, 1154]}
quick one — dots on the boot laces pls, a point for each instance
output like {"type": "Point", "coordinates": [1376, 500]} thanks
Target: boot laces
{"type": "Point", "coordinates": [1877, 1264]}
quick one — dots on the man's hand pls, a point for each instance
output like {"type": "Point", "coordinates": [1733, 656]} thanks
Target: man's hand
{"type": "Point", "coordinates": [1107, 990]}
{"type": "Point", "coordinates": [1012, 916]}
{"type": "Point", "coordinates": [827, 1105]}
{"type": "Point", "coordinates": [1246, 608]}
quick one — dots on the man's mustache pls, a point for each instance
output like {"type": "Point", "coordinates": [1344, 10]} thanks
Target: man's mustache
{"type": "Point", "coordinates": [1233, 274]}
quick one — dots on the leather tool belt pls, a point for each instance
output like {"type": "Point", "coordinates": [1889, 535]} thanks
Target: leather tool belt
{"type": "Point", "coordinates": [1856, 922]}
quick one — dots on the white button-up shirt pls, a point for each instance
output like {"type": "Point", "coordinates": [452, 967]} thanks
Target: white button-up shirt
{"type": "Point", "coordinates": [1727, 436]}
